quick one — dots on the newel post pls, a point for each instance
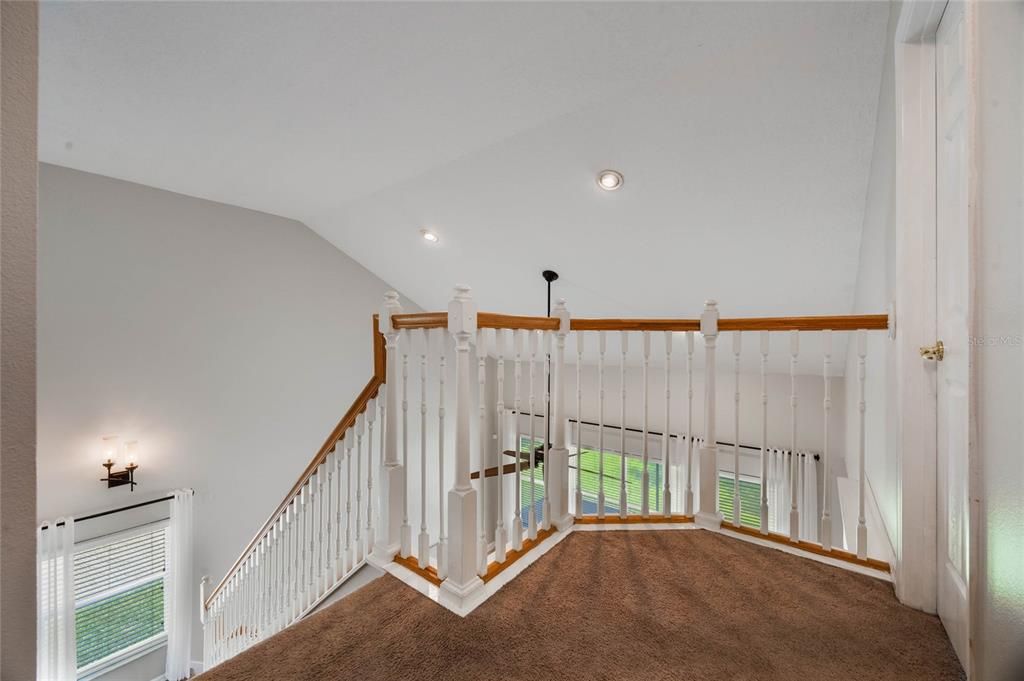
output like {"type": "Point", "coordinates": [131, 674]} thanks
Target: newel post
{"type": "Point", "coordinates": [707, 515]}
{"type": "Point", "coordinates": [462, 578]}
{"type": "Point", "coordinates": [558, 455]}
{"type": "Point", "coordinates": [392, 483]}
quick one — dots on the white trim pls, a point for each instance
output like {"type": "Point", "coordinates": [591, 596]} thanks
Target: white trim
{"type": "Point", "coordinates": [122, 657]}
{"type": "Point", "coordinates": [914, 571]}
{"type": "Point", "coordinates": [463, 608]}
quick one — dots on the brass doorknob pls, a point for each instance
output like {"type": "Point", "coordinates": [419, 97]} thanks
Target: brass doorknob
{"type": "Point", "coordinates": [934, 352]}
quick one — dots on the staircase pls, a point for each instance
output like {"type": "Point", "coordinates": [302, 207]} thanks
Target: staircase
{"type": "Point", "coordinates": [382, 467]}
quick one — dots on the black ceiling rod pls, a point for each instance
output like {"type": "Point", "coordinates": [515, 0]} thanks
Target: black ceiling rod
{"type": "Point", "coordinates": [549, 276]}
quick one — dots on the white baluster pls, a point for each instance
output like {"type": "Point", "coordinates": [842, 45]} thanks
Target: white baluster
{"type": "Point", "coordinates": [645, 479]}
{"type": "Point", "coordinates": [623, 497]}
{"type": "Point", "coordinates": [517, 523]}
{"type": "Point", "coordinates": [666, 460]}
{"type": "Point", "coordinates": [601, 345]}
{"type": "Point", "coordinates": [442, 542]}
{"type": "Point", "coordinates": [340, 541]}
{"type": "Point", "coordinates": [500, 537]}
{"type": "Point", "coordinates": [321, 554]}
{"type": "Point", "coordinates": [546, 503]}
{"type": "Point", "coordinates": [737, 342]}
{"type": "Point", "coordinates": [826, 503]}
{"type": "Point", "coordinates": [423, 554]}
{"type": "Point", "coordinates": [481, 377]}
{"type": "Point", "coordinates": [371, 417]}
{"type": "Point", "coordinates": [357, 483]}
{"type": "Point", "coordinates": [794, 466]}
{"type": "Point", "coordinates": [406, 548]}
{"type": "Point", "coordinates": [372, 409]}
{"type": "Point", "coordinates": [862, 528]}
{"type": "Point", "coordinates": [462, 579]}
{"type": "Point", "coordinates": [531, 523]}
{"type": "Point", "coordinates": [329, 529]}
{"type": "Point", "coordinates": [708, 516]}
{"type": "Point", "coordinates": [688, 500]}
{"type": "Point", "coordinates": [350, 438]}
{"type": "Point", "coordinates": [579, 425]}
{"type": "Point", "coordinates": [764, 432]}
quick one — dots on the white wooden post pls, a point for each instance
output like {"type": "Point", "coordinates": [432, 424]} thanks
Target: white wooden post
{"type": "Point", "coordinates": [826, 502]}
{"type": "Point", "coordinates": [462, 579]}
{"type": "Point", "coordinates": [531, 515]}
{"type": "Point", "coordinates": [442, 540]}
{"type": "Point", "coordinates": [688, 499]}
{"type": "Point", "coordinates": [666, 457]}
{"type": "Point", "coordinates": [579, 425]}
{"type": "Point", "coordinates": [557, 462]}
{"type": "Point", "coordinates": [708, 515]}
{"type": "Point", "coordinates": [517, 506]}
{"type": "Point", "coordinates": [500, 535]}
{"type": "Point", "coordinates": [764, 432]}
{"type": "Point", "coordinates": [481, 402]}
{"type": "Point", "coordinates": [737, 343]}
{"type": "Point", "coordinates": [862, 528]}
{"type": "Point", "coordinates": [392, 483]}
{"type": "Point", "coordinates": [546, 519]}
{"type": "Point", "coordinates": [623, 496]}
{"type": "Point", "coordinates": [600, 423]}
{"type": "Point", "coordinates": [406, 530]}
{"type": "Point", "coordinates": [423, 548]}
{"type": "Point", "coordinates": [794, 456]}
{"type": "Point", "coordinates": [645, 476]}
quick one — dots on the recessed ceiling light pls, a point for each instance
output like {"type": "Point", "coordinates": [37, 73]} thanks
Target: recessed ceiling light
{"type": "Point", "coordinates": [429, 236]}
{"type": "Point", "coordinates": [610, 180]}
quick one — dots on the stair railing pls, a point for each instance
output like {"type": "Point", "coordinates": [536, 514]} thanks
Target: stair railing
{"type": "Point", "coordinates": [326, 528]}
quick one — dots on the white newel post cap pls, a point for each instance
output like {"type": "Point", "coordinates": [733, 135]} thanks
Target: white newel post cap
{"type": "Point", "coordinates": [709, 319]}
{"type": "Point", "coordinates": [562, 314]}
{"type": "Point", "coordinates": [391, 306]}
{"type": "Point", "coordinates": [462, 313]}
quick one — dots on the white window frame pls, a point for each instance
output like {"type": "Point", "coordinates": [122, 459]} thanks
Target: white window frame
{"type": "Point", "coordinates": [139, 649]}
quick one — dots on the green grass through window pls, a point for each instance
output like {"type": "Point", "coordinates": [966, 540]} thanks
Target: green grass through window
{"type": "Point", "coordinates": [592, 481]}
{"type": "Point", "coordinates": [114, 623]}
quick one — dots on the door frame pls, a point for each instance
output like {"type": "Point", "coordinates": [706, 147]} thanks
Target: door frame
{"type": "Point", "coordinates": [915, 573]}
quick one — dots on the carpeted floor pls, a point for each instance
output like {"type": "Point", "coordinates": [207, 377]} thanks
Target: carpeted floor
{"type": "Point", "coordinates": [650, 605]}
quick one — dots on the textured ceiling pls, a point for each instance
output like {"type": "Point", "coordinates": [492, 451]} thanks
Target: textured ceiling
{"type": "Point", "coordinates": [744, 132]}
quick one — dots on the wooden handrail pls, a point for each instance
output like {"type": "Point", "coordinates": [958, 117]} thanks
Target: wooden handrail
{"type": "Point", "coordinates": [420, 320]}
{"type": "Point", "coordinates": [849, 322]}
{"type": "Point", "coordinates": [613, 324]}
{"type": "Point", "coordinates": [346, 422]}
{"type": "Point", "coordinates": [491, 320]}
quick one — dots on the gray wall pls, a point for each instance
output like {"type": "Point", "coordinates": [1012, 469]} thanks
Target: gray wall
{"type": "Point", "coordinates": [228, 342]}
{"type": "Point", "coordinates": [18, 116]}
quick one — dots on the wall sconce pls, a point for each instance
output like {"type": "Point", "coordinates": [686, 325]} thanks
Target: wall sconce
{"type": "Point", "coordinates": [110, 455]}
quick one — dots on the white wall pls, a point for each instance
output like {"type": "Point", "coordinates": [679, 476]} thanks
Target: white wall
{"type": "Point", "coordinates": [999, 354]}
{"type": "Point", "coordinates": [228, 342]}
{"type": "Point", "coordinates": [876, 288]}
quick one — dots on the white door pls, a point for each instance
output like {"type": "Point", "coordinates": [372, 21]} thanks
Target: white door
{"type": "Point", "coordinates": [953, 290]}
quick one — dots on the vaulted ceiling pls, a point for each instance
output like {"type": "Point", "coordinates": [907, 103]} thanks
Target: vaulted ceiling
{"type": "Point", "coordinates": [744, 132]}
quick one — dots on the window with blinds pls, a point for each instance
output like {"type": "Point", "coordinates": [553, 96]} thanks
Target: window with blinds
{"type": "Point", "coordinates": [750, 499]}
{"type": "Point", "coordinates": [119, 593]}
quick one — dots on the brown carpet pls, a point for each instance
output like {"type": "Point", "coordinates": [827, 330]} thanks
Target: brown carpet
{"type": "Point", "coordinates": [623, 605]}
